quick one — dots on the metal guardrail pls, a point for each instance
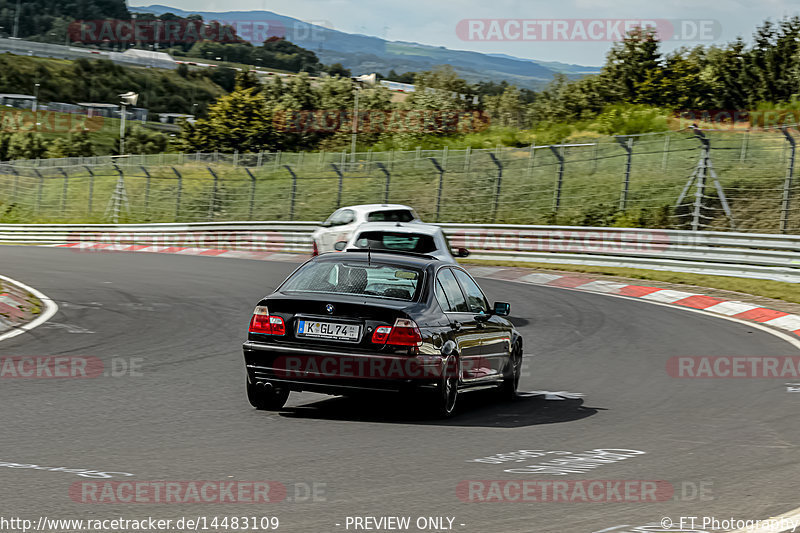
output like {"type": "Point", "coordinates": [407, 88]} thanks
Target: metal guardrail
{"type": "Point", "coordinates": [761, 256]}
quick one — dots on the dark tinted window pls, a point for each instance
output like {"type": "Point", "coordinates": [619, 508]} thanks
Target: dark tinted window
{"type": "Point", "coordinates": [475, 299]}
{"type": "Point", "coordinates": [340, 218]}
{"type": "Point", "coordinates": [397, 215]}
{"type": "Point", "coordinates": [404, 242]}
{"type": "Point", "coordinates": [441, 297]}
{"type": "Point", "coordinates": [453, 292]}
{"type": "Point", "coordinates": [385, 281]}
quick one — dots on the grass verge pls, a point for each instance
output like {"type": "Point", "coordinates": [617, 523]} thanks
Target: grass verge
{"type": "Point", "coordinates": [779, 290]}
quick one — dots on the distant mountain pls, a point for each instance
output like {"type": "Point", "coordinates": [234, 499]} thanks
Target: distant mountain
{"type": "Point", "coordinates": [363, 54]}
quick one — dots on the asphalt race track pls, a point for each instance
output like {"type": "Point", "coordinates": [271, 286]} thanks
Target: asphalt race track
{"type": "Point", "coordinates": [183, 414]}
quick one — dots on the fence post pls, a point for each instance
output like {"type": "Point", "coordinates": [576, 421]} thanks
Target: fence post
{"type": "Point", "coordinates": [595, 154]}
{"type": "Point", "coordinates": [787, 184]}
{"type": "Point", "coordinates": [41, 190]}
{"type": "Point", "coordinates": [277, 161]}
{"type": "Point", "coordinates": [444, 157]}
{"type": "Point", "coordinates": [666, 152]}
{"type": "Point", "coordinates": [499, 164]}
{"type": "Point", "coordinates": [441, 186]}
{"type": "Point", "coordinates": [531, 160]}
{"type": "Point", "coordinates": [417, 157]}
{"type": "Point", "coordinates": [252, 192]}
{"type": "Point", "coordinates": [178, 195]}
{"type": "Point", "coordinates": [294, 191]}
{"type": "Point", "coordinates": [16, 184]}
{"type": "Point", "coordinates": [383, 169]}
{"type": "Point", "coordinates": [213, 200]}
{"type": "Point", "coordinates": [628, 147]}
{"type": "Point", "coordinates": [146, 190]}
{"type": "Point", "coordinates": [467, 157]}
{"type": "Point", "coordinates": [341, 183]}
{"type": "Point", "coordinates": [91, 189]}
{"type": "Point", "coordinates": [745, 139]}
{"type": "Point", "coordinates": [260, 158]}
{"type": "Point", "coordinates": [700, 190]}
{"type": "Point", "coordinates": [321, 161]}
{"type": "Point", "coordinates": [559, 177]}
{"type": "Point", "coordinates": [64, 192]}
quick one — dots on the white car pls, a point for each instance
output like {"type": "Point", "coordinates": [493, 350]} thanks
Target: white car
{"type": "Point", "coordinates": [340, 225]}
{"type": "Point", "coordinates": [403, 238]}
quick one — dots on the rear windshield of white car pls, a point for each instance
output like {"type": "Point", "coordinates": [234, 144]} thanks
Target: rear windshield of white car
{"type": "Point", "coordinates": [401, 242]}
{"type": "Point", "coordinates": [395, 215]}
{"type": "Point", "coordinates": [358, 278]}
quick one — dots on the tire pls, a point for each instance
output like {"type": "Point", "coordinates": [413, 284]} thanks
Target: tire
{"type": "Point", "coordinates": [511, 381]}
{"type": "Point", "coordinates": [266, 399]}
{"type": "Point", "coordinates": [447, 395]}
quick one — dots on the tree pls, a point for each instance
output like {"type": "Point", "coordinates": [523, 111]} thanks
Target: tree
{"type": "Point", "coordinates": [26, 146]}
{"type": "Point", "coordinates": [145, 141]}
{"type": "Point", "coordinates": [506, 109]}
{"type": "Point", "coordinates": [237, 121]}
{"type": "Point", "coordinates": [629, 63]}
{"type": "Point", "coordinates": [338, 70]}
{"type": "Point", "coordinates": [77, 145]}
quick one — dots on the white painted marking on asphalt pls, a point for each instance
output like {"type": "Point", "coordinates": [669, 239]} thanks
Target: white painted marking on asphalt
{"type": "Point", "coordinates": [480, 272]}
{"type": "Point", "coordinates": [557, 396]}
{"type": "Point", "coordinates": [788, 322]}
{"type": "Point", "coordinates": [731, 308]}
{"type": "Point", "coordinates": [668, 296]}
{"type": "Point", "coordinates": [70, 328]}
{"type": "Point", "coordinates": [602, 286]}
{"type": "Point", "coordinates": [50, 309]}
{"type": "Point", "coordinates": [539, 279]}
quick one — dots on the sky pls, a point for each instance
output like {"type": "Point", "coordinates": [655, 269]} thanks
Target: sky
{"type": "Point", "coordinates": [569, 31]}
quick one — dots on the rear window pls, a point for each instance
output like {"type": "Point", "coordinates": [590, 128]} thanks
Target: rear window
{"type": "Point", "coordinates": [379, 280]}
{"type": "Point", "coordinates": [401, 242]}
{"type": "Point", "coordinates": [392, 215]}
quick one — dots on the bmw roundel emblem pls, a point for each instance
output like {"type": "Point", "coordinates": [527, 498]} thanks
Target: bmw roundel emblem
{"type": "Point", "coordinates": [330, 309]}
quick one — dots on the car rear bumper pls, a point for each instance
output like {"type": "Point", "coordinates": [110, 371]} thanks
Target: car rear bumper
{"type": "Point", "coordinates": [330, 372]}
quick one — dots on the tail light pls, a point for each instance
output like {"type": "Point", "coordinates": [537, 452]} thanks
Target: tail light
{"type": "Point", "coordinates": [265, 324]}
{"type": "Point", "coordinates": [314, 249]}
{"type": "Point", "coordinates": [403, 333]}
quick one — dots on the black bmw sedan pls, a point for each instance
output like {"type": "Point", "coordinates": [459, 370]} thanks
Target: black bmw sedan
{"type": "Point", "coordinates": [355, 322]}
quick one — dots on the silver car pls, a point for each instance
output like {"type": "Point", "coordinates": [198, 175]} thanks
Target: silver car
{"type": "Point", "coordinates": [415, 238]}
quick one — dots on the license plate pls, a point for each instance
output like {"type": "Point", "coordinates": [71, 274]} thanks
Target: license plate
{"type": "Point", "coordinates": [328, 330]}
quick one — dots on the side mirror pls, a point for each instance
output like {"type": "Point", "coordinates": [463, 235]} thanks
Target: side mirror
{"type": "Point", "coordinates": [462, 252]}
{"type": "Point", "coordinates": [340, 246]}
{"type": "Point", "coordinates": [502, 309]}
{"type": "Point", "coordinates": [326, 224]}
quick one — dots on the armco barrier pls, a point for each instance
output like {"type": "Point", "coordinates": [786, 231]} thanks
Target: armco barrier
{"type": "Point", "coordinates": [763, 256]}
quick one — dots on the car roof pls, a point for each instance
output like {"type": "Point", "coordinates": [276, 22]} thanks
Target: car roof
{"type": "Point", "coordinates": [400, 259]}
{"type": "Point", "coordinates": [399, 227]}
{"type": "Point", "coordinates": [377, 207]}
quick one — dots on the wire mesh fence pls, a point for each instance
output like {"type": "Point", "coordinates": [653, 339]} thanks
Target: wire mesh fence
{"type": "Point", "coordinates": [671, 180]}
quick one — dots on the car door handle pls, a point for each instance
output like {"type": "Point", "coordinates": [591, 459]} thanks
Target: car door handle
{"type": "Point", "coordinates": [456, 325]}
